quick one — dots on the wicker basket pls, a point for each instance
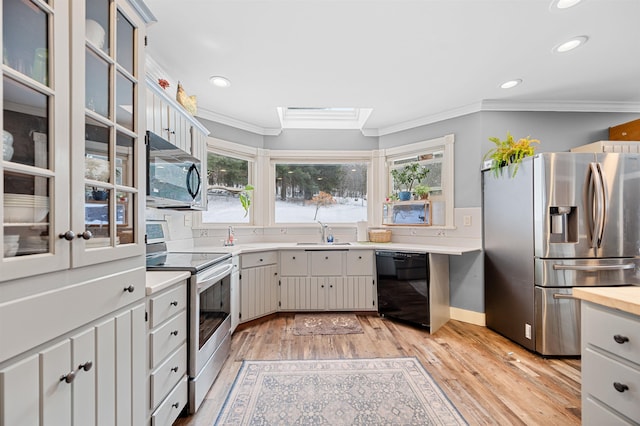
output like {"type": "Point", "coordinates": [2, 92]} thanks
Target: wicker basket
{"type": "Point", "coordinates": [380, 235]}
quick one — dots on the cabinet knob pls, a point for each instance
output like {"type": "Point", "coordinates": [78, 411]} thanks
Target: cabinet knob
{"type": "Point", "coordinates": [174, 303]}
{"type": "Point", "coordinates": [174, 333]}
{"type": "Point", "coordinates": [130, 289]}
{"type": "Point", "coordinates": [175, 405]}
{"type": "Point", "coordinates": [359, 257]}
{"type": "Point", "coordinates": [322, 286]}
{"type": "Point", "coordinates": [175, 369]}
{"type": "Point", "coordinates": [69, 235]}
{"type": "Point", "coordinates": [620, 339]}
{"type": "Point", "coordinates": [620, 387]}
{"type": "Point", "coordinates": [86, 366]}
{"type": "Point", "coordinates": [294, 258]}
{"type": "Point", "coordinates": [331, 286]}
{"type": "Point", "coordinates": [260, 260]}
{"type": "Point", "coordinates": [86, 235]}
{"type": "Point", "coordinates": [326, 258]}
{"type": "Point", "coordinates": [69, 377]}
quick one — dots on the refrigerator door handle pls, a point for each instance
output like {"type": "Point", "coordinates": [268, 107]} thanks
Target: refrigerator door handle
{"type": "Point", "coordinates": [594, 268]}
{"type": "Point", "coordinates": [595, 200]}
{"type": "Point", "coordinates": [602, 193]}
{"type": "Point", "coordinates": [564, 296]}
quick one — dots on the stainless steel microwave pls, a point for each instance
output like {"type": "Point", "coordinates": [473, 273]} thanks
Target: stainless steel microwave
{"type": "Point", "coordinates": [174, 177]}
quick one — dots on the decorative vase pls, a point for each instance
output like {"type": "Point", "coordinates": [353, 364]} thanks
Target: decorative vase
{"type": "Point", "coordinates": [404, 195]}
{"type": "Point", "coordinates": [99, 195]}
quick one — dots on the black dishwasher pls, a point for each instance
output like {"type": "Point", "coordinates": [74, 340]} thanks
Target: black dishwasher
{"type": "Point", "coordinates": [403, 286]}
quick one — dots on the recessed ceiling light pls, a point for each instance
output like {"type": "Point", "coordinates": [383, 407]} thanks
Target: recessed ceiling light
{"type": "Point", "coordinates": [219, 81]}
{"type": "Point", "coordinates": [511, 83]}
{"type": "Point", "coordinates": [565, 4]}
{"type": "Point", "coordinates": [571, 44]}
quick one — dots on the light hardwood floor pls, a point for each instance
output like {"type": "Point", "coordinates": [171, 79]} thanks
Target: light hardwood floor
{"type": "Point", "coordinates": [490, 379]}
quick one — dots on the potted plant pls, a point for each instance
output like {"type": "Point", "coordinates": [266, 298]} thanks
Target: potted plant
{"type": "Point", "coordinates": [422, 191]}
{"type": "Point", "coordinates": [406, 177]}
{"type": "Point", "coordinates": [245, 198]}
{"type": "Point", "coordinates": [509, 153]}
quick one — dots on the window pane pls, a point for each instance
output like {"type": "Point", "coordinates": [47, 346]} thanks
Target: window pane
{"type": "Point", "coordinates": [24, 37]}
{"type": "Point", "coordinates": [124, 101]}
{"type": "Point", "coordinates": [125, 43]}
{"type": "Point", "coordinates": [97, 24]}
{"type": "Point", "coordinates": [227, 177]}
{"type": "Point", "coordinates": [97, 84]}
{"type": "Point", "coordinates": [335, 193]}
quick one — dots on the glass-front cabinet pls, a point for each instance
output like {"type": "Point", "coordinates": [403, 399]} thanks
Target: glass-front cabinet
{"type": "Point", "coordinates": [73, 155]}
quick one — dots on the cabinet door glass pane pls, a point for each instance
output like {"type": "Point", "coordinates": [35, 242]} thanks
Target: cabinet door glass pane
{"type": "Point", "coordinates": [26, 214]}
{"type": "Point", "coordinates": [124, 159]}
{"type": "Point", "coordinates": [97, 84]}
{"type": "Point", "coordinates": [125, 43]}
{"type": "Point", "coordinates": [125, 219]}
{"type": "Point", "coordinates": [26, 124]}
{"type": "Point", "coordinates": [98, 216]}
{"type": "Point", "coordinates": [24, 30]}
{"type": "Point", "coordinates": [124, 101]}
{"type": "Point", "coordinates": [96, 154]}
{"type": "Point", "coordinates": [97, 24]}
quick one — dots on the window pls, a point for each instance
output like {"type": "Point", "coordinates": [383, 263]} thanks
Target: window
{"type": "Point", "coordinates": [436, 155]}
{"type": "Point", "coordinates": [334, 192]}
{"type": "Point", "coordinates": [227, 177]}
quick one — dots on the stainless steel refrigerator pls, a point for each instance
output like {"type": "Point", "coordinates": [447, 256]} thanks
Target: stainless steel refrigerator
{"type": "Point", "coordinates": [565, 220]}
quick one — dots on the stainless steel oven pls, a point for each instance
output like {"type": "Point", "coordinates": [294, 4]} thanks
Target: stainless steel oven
{"type": "Point", "coordinates": [209, 326]}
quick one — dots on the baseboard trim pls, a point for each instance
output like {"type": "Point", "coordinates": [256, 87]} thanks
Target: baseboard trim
{"type": "Point", "coordinates": [471, 317]}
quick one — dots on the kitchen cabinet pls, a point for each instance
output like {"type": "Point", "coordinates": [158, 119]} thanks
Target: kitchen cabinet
{"type": "Point", "coordinates": [610, 366]}
{"type": "Point", "coordinates": [258, 284]}
{"type": "Point", "coordinates": [629, 131]}
{"type": "Point", "coordinates": [234, 288]}
{"type": "Point", "coordinates": [336, 280]}
{"type": "Point", "coordinates": [75, 380]}
{"type": "Point", "coordinates": [167, 319]}
{"type": "Point", "coordinates": [74, 167]}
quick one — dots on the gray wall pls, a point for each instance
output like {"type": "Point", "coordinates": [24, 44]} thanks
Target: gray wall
{"type": "Point", "coordinates": [557, 131]}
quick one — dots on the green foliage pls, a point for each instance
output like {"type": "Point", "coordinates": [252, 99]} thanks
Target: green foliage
{"type": "Point", "coordinates": [245, 198]}
{"type": "Point", "coordinates": [422, 190]}
{"type": "Point", "coordinates": [509, 153]}
{"type": "Point", "coordinates": [407, 176]}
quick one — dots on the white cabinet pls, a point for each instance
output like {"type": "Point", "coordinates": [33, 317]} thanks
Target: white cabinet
{"type": "Point", "coordinates": [610, 366]}
{"type": "Point", "coordinates": [258, 284]}
{"type": "Point", "coordinates": [234, 288]}
{"type": "Point", "coordinates": [72, 184]}
{"type": "Point", "coordinates": [76, 379]}
{"type": "Point", "coordinates": [335, 280]}
{"type": "Point", "coordinates": [167, 319]}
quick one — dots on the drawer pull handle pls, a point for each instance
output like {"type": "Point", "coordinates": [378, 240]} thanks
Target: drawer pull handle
{"type": "Point", "coordinates": [69, 377]}
{"type": "Point", "coordinates": [260, 260]}
{"type": "Point", "coordinates": [620, 387]}
{"type": "Point", "coordinates": [86, 366]}
{"type": "Point", "coordinates": [294, 258]}
{"type": "Point", "coordinates": [326, 258]}
{"type": "Point", "coordinates": [174, 333]}
{"type": "Point", "coordinates": [175, 369]}
{"type": "Point", "coordinates": [130, 289]}
{"type": "Point", "coordinates": [175, 405]}
{"type": "Point", "coordinates": [620, 339]}
{"type": "Point", "coordinates": [359, 257]}
{"type": "Point", "coordinates": [174, 303]}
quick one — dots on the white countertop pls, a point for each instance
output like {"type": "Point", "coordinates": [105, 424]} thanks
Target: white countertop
{"type": "Point", "coordinates": [624, 298]}
{"type": "Point", "coordinates": [419, 248]}
{"type": "Point", "coordinates": [159, 280]}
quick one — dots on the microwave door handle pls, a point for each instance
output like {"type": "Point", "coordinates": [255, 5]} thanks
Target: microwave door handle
{"type": "Point", "coordinates": [193, 193]}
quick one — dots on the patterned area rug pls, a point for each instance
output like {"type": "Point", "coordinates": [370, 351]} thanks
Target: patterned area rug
{"type": "Point", "coordinates": [380, 391]}
{"type": "Point", "coordinates": [331, 323]}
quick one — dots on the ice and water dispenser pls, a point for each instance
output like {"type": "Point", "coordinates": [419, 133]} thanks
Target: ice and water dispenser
{"type": "Point", "coordinates": [564, 224]}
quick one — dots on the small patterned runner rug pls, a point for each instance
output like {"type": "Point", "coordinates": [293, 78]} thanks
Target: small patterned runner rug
{"type": "Point", "coordinates": [378, 391]}
{"type": "Point", "coordinates": [330, 323]}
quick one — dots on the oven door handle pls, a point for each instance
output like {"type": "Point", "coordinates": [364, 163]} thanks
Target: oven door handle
{"type": "Point", "coordinates": [213, 275]}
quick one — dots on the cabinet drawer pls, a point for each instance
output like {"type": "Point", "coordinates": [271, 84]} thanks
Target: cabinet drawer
{"type": "Point", "coordinates": [293, 263]}
{"type": "Point", "coordinates": [599, 373]}
{"type": "Point", "coordinates": [596, 414]}
{"type": "Point", "coordinates": [167, 304]}
{"type": "Point", "coordinates": [167, 338]}
{"type": "Point", "coordinates": [601, 325]}
{"type": "Point", "coordinates": [360, 262]}
{"type": "Point", "coordinates": [251, 260]}
{"type": "Point", "coordinates": [169, 410]}
{"type": "Point", "coordinates": [167, 375]}
{"type": "Point", "coordinates": [65, 309]}
{"type": "Point", "coordinates": [326, 263]}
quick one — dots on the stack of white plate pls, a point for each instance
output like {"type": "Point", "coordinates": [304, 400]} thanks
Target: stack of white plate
{"type": "Point", "coordinates": [11, 245]}
{"type": "Point", "coordinates": [25, 208]}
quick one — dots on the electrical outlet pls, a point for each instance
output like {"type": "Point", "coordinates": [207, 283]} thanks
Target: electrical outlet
{"type": "Point", "coordinates": [283, 230]}
{"type": "Point", "coordinates": [467, 220]}
{"type": "Point", "coordinates": [527, 331]}
{"type": "Point", "coordinates": [204, 233]}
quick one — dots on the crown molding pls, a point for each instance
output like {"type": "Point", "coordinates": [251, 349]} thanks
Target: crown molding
{"type": "Point", "coordinates": [554, 106]}
{"type": "Point", "coordinates": [238, 124]}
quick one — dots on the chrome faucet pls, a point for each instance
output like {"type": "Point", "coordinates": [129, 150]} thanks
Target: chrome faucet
{"type": "Point", "coordinates": [323, 232]}
{"type": "Point", "coordinates": [229, 240]}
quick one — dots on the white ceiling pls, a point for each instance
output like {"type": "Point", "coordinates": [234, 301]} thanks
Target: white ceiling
{"type": "Point", "coordinates": [410, 61]}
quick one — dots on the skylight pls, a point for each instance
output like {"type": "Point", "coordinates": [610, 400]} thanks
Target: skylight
{"type": "Point", "coordinates": [303, 117]}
